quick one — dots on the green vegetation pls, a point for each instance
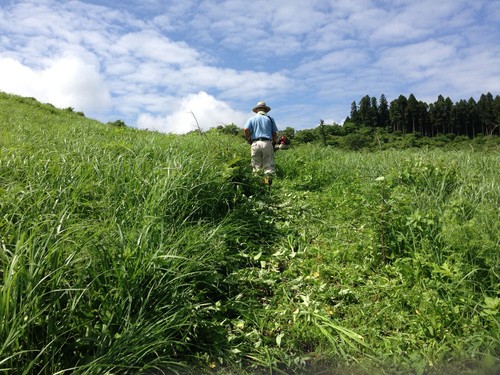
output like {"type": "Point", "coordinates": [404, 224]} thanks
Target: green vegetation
{"type": "Point", "coordinates": [353, 138]}
{"type": "Point", "coordinates": [134, 252]}
{"type": "Point", "coordinates": [409, 123]}
{"type": "Point", "coordinates": [409, 115]}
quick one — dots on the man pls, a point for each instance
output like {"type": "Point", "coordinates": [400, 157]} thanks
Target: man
{"type": "Point", "coordinates": [260, 131]}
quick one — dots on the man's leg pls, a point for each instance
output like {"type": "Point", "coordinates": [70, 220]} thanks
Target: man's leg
{"type": "Point", "coordinates": [256, 156]}
{"type": "Point", "coordinates": [268, 159]}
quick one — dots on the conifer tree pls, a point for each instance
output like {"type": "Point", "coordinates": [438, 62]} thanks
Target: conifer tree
{"type": "Point", "coordinates": [383, 112]}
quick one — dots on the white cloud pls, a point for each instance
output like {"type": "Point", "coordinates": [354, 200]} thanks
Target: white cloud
{"type": "Point", "coordinates": [195, 111]}
{"type": "Point", "coordinates": [65, 82]}
{"type": "Point", "coordinates": [417, 61]}
{"type": "Point", "coordinates": [151, 45]}
{"type": "Point", "coordinates": [145, 61]}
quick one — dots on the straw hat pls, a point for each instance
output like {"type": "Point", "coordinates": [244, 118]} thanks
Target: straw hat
{"type": "Point", "coordinates": [261, 106]}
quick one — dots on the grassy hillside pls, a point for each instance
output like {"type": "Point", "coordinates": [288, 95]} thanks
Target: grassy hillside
{"type": "Point", "coordinates": [134, 252]}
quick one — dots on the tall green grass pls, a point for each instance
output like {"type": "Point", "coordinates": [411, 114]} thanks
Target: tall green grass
{"type": "Point", "coordinates": [129, 252]}
{"type": "Point", "coordinates": [116, 244]}
{"type": "Point", "coordinates": [404, 248]}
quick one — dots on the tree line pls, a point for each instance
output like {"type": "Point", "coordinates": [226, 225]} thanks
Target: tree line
{"type": "Point", "coordinates": [404, 122]}
{"type": "Point", "coordinates": [409, 115]}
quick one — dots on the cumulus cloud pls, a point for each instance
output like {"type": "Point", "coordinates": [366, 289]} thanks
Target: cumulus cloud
{"type": "Point", "coordinates": [418, 60]}
{"type": "Point", "coordinates": [114, 66]}
{"type": "Point", "coordinates": [153, 63]}
{"type": "Point", "coordinates": [195, 111]}
{"type": "Point", "coordinates": [65, 82]}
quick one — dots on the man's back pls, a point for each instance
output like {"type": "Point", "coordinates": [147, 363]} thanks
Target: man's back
{"type": "Point", "coordinates": [261, 126]}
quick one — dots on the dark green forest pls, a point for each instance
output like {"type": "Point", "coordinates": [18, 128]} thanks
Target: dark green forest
{"type": "Point", "coordinates": [409, 115]}
{"type": "Point", "coordinates": [408, 122]}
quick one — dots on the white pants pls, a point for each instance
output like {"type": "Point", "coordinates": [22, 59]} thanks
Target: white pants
{"type": "Point", "coordinates": [263, 157]}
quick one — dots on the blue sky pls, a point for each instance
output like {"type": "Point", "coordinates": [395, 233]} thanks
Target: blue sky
{"type": "Point", "coordinates": [154, 63]}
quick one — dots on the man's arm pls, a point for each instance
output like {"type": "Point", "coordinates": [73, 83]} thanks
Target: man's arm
{"type": "Point", "coordinates": [248, 135]}
{"type": "Point", "coordinates": [274, 130]}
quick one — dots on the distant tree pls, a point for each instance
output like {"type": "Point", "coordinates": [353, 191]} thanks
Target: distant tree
{"type": "Point", "coordinates": [349, 127]}
{"type": "Point", "coordinates": [425, 122]}
{"type": "Point", "coordinates": [412, 114]}
{"type": "Point", "coordinates": [228, 129]}
{"type": "Point", "coordinates": [441, 113]}
{"type": "Point", "coordinates": [117, 123]}
{"type": "Point", "coordinates": [366, 112]}
{"type": "Point", "coordinates": [373, 112]}
{"type": "Point", "coordinates": [473, 121]}
{"type": "Point", "coordinates": [383, 112]}
{"type": "Point", "coordinates": [449, 109]}
{"type": "Point", "coordinates": [416, 116]}
{"type": "Point", "coordinates": [305, 136]}
{"type": "Point", "coordinates": [322, 132]}
{"type": "Point", "coordinates": [362, 138]}
{"type": "Point", "coordinates": [333, 130]}
{"type": "Point", "coordinates": [289, 132]}
{"type": "Point", "coordinates": [460, 117]}
{"type": "Point", "coordinates": [486, 113]}
{"type": "Point", "coordinates": [397, 111]}
{"type": "Point", "coordinates": [354, 117]}
{"type": "Point", "coordinates": [496, 111]}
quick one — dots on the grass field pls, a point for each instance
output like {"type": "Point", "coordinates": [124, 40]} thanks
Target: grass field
{"type": "Point", "coordinates": [134, 252]}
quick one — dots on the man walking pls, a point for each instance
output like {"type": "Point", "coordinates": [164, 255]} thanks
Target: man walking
{"type": "Point", "coordinates": [260, 131]}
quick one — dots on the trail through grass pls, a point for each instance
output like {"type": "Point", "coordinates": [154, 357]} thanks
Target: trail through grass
{"type": "Point", "coordinates": [134, 252]}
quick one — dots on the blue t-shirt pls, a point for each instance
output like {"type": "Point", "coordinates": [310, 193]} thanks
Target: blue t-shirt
{"type": "Point", "coordinates": [261, 126]}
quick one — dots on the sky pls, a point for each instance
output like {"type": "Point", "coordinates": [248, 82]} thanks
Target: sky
{"type": "Point", "coordinates": [176, 66]}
